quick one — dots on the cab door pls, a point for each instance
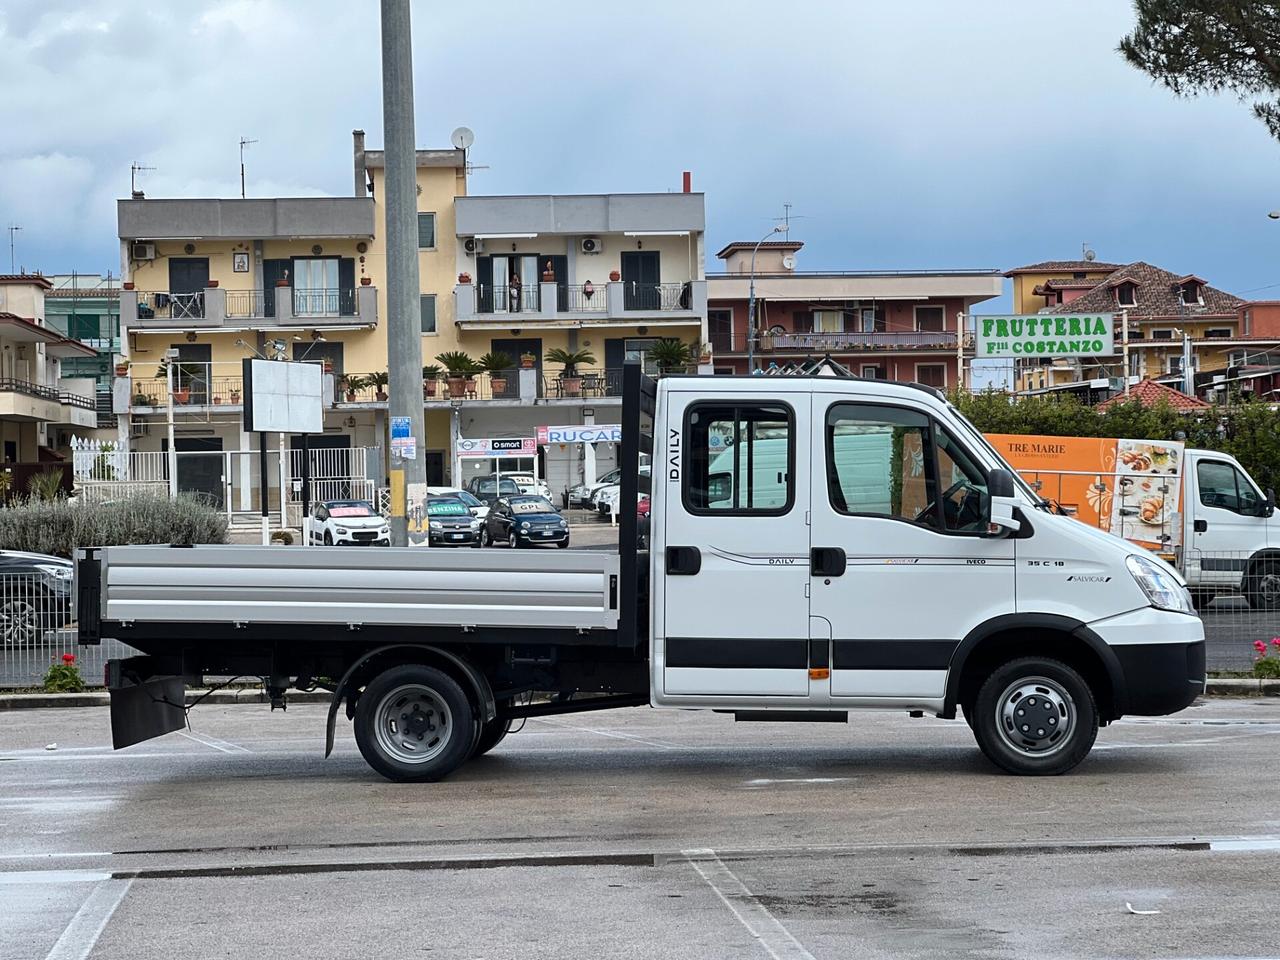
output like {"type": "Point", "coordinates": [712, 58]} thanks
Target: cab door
{"type": "Point", "coordinates": [735, 547]}
{"type": "Point", "coordinates": [902, 568]}
{"type": "Point", "coordinates": [1228, 524]}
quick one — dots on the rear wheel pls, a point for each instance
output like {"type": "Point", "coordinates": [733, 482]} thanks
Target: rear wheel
{"type": "Point", "coordinates": [1262, 586]}
{"type": "Point", "coordinates": [1036, 717]}
{"type": "Point", "coordinates": [413, 723]}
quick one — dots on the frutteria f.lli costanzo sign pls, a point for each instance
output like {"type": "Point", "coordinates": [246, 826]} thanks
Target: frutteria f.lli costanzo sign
{"type": "Point", "coordinates": [1041, 335]}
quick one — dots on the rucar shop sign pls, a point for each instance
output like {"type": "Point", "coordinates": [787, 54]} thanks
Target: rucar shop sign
{"type": "Point", "coordinates": [1039, 335]}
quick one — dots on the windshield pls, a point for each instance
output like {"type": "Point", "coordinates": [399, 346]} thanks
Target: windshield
{"type": "Point", "coordinates": [976, 435]}
{"type": "Point", "coordinates": [467, 498]}
{"type": "Point", "coordinates": [352, 509]}
{"type": "Point", "coordinates": [531, 505]}
{"type": "Point", "coordinates": [505, 487]}
{"type": "Point", "coordinates": [446, 507]}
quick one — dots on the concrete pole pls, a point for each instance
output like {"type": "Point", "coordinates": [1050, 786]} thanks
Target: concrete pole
{"type": "Point", "coordinates": [173, 449]}
{"type": "Point", "coordinates": [404, 331]}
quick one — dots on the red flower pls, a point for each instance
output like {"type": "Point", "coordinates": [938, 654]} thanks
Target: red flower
{"type": "Point", "coordinates": [68, 658]}
{"type": "Point", "coordinates": [1259, 646]}
{"type": "Point", "coordinates": [1275, 642]}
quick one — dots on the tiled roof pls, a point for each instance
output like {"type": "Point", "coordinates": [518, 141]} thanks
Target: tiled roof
{"type": "Point", "coordinates": [1149, 393]}
{"type": "Point", "coordinates": [767, 245]}
{"type": "Point", "coordinates": [1159, 296]}
{"type": "Point", "coordinates": [26, 278]}
{"type": "Point", "coordinates": [1070, 266]}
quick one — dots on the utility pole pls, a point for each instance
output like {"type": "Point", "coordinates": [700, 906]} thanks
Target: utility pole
{"type": "Point", "coordinates": [751, 301]}
{"type": "Point", "coordinates": [1124, 334]}
{"type": "Point", "coordinates": [244, 142]}
{"type": "Point", "coordinates": [13, 230]}
{"type": "Point", "coordinates": [404, 330]}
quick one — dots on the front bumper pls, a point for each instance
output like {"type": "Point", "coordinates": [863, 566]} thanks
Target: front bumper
{"type": "Point", "coordinates": [541, 536]}
{"type": "Point", "coordinates": [1162, 657]}
{"type": "Point", "coordinates": [349, 540]}
{"type": "Point", "coordinates": [454, 538]}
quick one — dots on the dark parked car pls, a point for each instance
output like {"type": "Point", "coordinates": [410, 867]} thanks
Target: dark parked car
{"type": "Point", "coordinates": [525, 520]}
{"type": "Point", "coordinates": [450, 523]}
{"type": "Point", "coordinates": [35, 596]}
{"type": "Point", "coordinates": [489, 489]}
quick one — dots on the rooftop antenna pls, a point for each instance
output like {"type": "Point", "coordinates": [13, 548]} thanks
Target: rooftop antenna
{"type": "Point", "coordinates": [1088, 254]}
{"type": "Point", "coordinates": [136, 168]}
{"type": "Point", "coordinates": [13, 230]}
{"type": "Point", "coordinates": [244, 142]}
{"type": "Point", "coordinates": [786, 221]}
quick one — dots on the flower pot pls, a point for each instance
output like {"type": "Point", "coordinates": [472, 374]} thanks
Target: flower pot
{"type": "Point", "coordinates": [456, 385]}
{"type": "Point", "coordinates": [572, 386]}
{"type": "Point", "coordinates": [235, 397]}
{"type": "Point", "coordinates": [615, 276]}
{"type": "Point", "coordinates": [217, 401]}
{"type": "Point", "coordinates": [430, 388]}
{"type": "Point", "coordinates": [122, 369]}
{"type": "Point", "coordinates": [128, 285]}
{"type": "Point", "coordinates": [464, 277]}
{"type": "Point", "coordinates": [471, 385]}
{"type": "Point", "coordinates": [499, 384]}
{"type": "Point", "coordinates": [365, 281]}
{"type": "Point", "coordinates": [351, 396]}
{"type": "Point", "coordinates": [382, 396]}
{"type": "Point", "coordinates": [181, 396]}
{"type": "Point", "coordinates": [528, 363]}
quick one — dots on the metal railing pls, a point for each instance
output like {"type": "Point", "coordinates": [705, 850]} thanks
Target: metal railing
{"type": "Point", "coordinates": [656, 296]}
{"type": "Point", "coordinates": [159, 305]}
{"type": "Point", "coordinates": [858, 340]}
{"type": "Point", "coordinates": [478, 386]}
{"type": "Point", "coordinates": [585, 298]}
{"type": "Point", "coordinates": [249, 303]}
{"type": "Point", "coordinates": [76, 400]}
{"type": "Point", "coordinates": [194, 384]}
{"type": "Point", "coordinates": [16, 385]}
{"type": "Point", "coordinates": [587, 383]}
{"type": "Point", "coordinates": [498, 298]}
{"type": "Point", "coordinates": [318, 302]}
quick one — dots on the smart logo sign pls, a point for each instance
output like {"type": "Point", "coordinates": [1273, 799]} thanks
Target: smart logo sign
{"type": "Point", "coordinates": [1067, 335]}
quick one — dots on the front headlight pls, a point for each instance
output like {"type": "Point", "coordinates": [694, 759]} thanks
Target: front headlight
{"type": "Point", "coordinates": [564, 523]}
{"type": "Point", "coordinates": [436, 525]}
{"type": "Point", "coordinates": [342, 529]}
{"type": "Point", "coordinates": [475, 524]}
{"type": "Point", "coordinates": [524, 525]}
{"type": "Point", "coordinates": [1162, 590]}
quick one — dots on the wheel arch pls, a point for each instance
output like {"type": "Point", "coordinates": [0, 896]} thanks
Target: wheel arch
{"type": "Point", "coordinates": [473, 682]}
{"type": "Point", "coordinates": [1264, 555]}
{"type": "Point", "coordinates": [1022, 634]}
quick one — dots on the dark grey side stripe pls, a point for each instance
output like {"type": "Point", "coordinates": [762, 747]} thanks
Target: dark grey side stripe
{"type": "Point", "coordinates": [1233, 564]}
{"type": "Point", "coordinates": [893, 654]}
{"type": "Point", "coordinates": [733, 652]}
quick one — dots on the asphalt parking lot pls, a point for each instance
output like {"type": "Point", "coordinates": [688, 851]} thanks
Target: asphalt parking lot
{"type": "Point", "coordinates": [638, 833]}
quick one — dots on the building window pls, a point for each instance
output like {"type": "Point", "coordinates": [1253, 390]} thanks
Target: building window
{"type": "Point", "coordinates": [871, 371]}
{"type": "Point", "coordinates": [828, 321]}
{"type": "Point", "coordinates": [932, 375]}
{"type": "Point", "coordinates": [427, 312]}
{"type": "Point", "coordinates": [1161, 334]}
{"type": "Point", "coordinates": [1191, 294]}
{"type": "Point", "coordinates": [1127, 294]}
{"type": "Point", "coordinates": [720, 330]}
{"type": "Point", "coordinates": [1218, 332]}
{"type": "Point", "coordinates": [426, 231]}
{"type": "Point", "coordinates": [739, 459]}
{"type": "Point", "coordinates": [1175, 363]}
{"type": "Point", "coordinates": [932, 319]}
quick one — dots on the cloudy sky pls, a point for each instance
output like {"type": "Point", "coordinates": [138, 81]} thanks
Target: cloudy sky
{"type": "Point", "coordinates": [903, 134]}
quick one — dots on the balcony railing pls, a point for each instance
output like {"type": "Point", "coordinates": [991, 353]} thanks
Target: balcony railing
{"type": "Point", "coordinates": [510, 299]}
{"type": "Point", "coordinates": [655, 296]}
{"type": "Point", "coordinates": [854, 340]}
{"type": "Point", "coordinates": [585, 298]}
{"type": "Point", "coordinates": [76, 400]}
{"type": "Point", "coordinates": [250, 303]}
{"type": "Point", "coordinates": [194, 384]}
{"type": "Point", "coordinates": [316, 302]}
{"type": "Point", "coordinates": [15, 385]}
{"type": "Point", "coordinates": [612, 300]}
{"type": "Point", "coordinates": [587, 383]}
{"type": "Point", "coordinates": [159, 305]}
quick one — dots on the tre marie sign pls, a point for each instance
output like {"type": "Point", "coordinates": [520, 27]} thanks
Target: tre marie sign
{"type": "Point", "coordinates": [1041, 335]}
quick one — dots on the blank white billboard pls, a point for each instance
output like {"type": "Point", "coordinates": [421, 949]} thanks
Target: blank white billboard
{"type": "Point", "coordinates": [282, 396]}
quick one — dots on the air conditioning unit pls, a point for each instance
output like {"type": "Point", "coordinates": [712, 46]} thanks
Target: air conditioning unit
{"type": "Point", "coordinates": [142, 251]}
{"type": "Point", "coordinates": [591, 245]}
{"type": "Point", "coordinates": [472, 246]}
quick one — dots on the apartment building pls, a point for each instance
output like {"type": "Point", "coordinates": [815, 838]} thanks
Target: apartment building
{"type": "Point", "coordinates": [39, 406]}
{"type": "Point", "coordinates": [514, 278]}
{"type": "Point", "coordinates": [887, 324]}
{"type": "Point", "coordinates": [86, 307]}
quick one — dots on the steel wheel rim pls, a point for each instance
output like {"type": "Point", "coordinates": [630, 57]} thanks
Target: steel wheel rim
{"type": "Point", "coordinates": [511, 540]}
{"type": "Point", "coordinates": [1036, 716]}
{"type": "Point", "coordinates": [18, 622]}
{"type": "Point", "coordinates": [413, 724]}
{"type": "Point", "coordinates": [1269, 588]}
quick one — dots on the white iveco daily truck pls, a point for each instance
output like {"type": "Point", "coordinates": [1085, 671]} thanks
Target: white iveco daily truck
{"type": "Point", "coordinates": [817, 546]}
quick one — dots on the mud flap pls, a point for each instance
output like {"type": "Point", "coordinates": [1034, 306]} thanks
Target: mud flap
{"type": "Point", "coordinates": [141, 711]}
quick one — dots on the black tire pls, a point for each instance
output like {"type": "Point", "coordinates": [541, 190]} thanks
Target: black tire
{"type": "Point", "coordinates": [1050, 696]}
{"type": "Point", "coordinates": [1262, 586]}
{"type": "Point", "coordinates": [388, 744]}
{"type": "Point", "coordinates": [328, 539]}
{"type": "Point", "coordinates": [491, 735]}
{"type": "Point", "coordinates": [562, 544]}
{"type": "Point", "coordinates": [485, 539]}
{"type": "Point", "coordinates": [513, 541]}
{"type": "Point", "coordinates": [477, 544]}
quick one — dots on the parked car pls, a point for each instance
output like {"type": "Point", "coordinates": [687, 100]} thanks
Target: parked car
{"type": "Point", "coordinates": [606, 497]}
{"type": "Point", "coordinates": [450, 523]}
{"type": "Point", "coordinates": [490, 488]}
{"type": "Point", "coordinates": [528, 484]}
{"type": "Point", "coordinates": [643, 507]}
{"type": "Point", "coordinates": [347, 523]}
{"type": "Point", "coordinates": [35, 596]}
{"type": "Point", "coordinates": [523, 521]}
{"type": "Point", "coordinates": [583, 494]}
{"type": "Point", "coordinates": [478, 508]}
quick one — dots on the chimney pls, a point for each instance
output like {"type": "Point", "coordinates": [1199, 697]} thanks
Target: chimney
{"type": "Point", "coordinates": [357, 150]}
{"type": "Point", "coordinates": [688, 181]}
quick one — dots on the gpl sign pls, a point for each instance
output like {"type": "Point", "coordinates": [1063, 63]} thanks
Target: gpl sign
{"type": "Point", "coordinates": [581, 433]}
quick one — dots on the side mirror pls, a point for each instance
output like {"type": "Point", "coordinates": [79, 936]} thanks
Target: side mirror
{"type": "Point", "coordinates": [1269, 505]}
{"type": "Point", "coordinates": [719, 487]}
{"type": "Point", "coordinates": [1001, 505]}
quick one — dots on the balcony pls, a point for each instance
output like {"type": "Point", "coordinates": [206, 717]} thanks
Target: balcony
{"type": "Point", "coordinates": [194, 385]}
{"type": "Point", "coordinates": [25, 400]}
{"type": "Point", "coordinates": [280, 306]}
{"type": "Point", "coordinates": [579, 305]}
{"type": "Point", "coordinates": [356, 389]}
{"type": "Point", "coordinates": [857, 340]}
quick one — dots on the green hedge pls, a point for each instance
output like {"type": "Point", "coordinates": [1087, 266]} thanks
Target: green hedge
{"type": "Point", "coordinates": [59, 527]}
{"type": "Point", "coordinates": [1249, 430]}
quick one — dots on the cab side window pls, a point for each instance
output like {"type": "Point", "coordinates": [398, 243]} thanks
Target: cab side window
{"type": "Point", "coordinates": [1223, 486]}
{"type": "Point", "coordinates": [739, 459]}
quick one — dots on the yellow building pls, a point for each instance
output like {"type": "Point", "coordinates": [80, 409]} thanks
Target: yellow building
{"type": "Point", "coordinates": [210, 282]}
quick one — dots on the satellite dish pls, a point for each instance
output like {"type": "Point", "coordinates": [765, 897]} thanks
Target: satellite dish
{"type": "Point", "coordinates": [462, 138]}
{"type": "Point", "coordinates": [788, 262]}
{"type": "Point", "coordinates": [1090, 255]}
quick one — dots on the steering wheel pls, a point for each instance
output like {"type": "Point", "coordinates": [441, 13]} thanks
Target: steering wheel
{"type": "Point", "coordinates": [959, 513]}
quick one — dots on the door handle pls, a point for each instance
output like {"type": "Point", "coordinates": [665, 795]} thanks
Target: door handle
{"type": "Point", "coordinates": [827, 562]}
{"type": "Point", "coordinates": [683, 561]}
{"type": "Point", "coordinates": [1200, 526]}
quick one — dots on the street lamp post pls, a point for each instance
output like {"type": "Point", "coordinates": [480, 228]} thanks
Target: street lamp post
{"type": "Point", "coordinates": [751, 301]}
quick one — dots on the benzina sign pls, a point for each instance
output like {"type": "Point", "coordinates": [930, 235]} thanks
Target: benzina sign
{"type": "Point", "coordinates": [1067, 335]}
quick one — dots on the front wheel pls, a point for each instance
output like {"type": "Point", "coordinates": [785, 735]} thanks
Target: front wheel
{"type": "Point", "coordinates": [513, 541]}
{"type": "Point", "coordinates": [562, 544]}
{"type": "Point", "coordinates": [1035, 717]}
{"type": "Point", "coordinates": [485, 539]}
{"type": "Point", "coordinates": [413, 723]}
{"type": "Point", "coordinates": [1262, 586]}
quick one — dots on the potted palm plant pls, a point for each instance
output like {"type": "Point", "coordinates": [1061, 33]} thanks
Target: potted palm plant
{"type": "Point", "coordinates": [353, 383]}
{"type": "Point", "coordinates": [672, 355]}
{"type": "Point", "coordinates": [497, 364]}
{"type": "Point", "coordinates": [570, 379]}
{"type": "Point", "coordinates": [430, 380]}
{"type": "Point", "coordinates": [379, 382]}
{"type": "Point", "coordinates": [460, 367]}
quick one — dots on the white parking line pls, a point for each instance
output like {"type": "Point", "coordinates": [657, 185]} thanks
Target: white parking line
{"type": "Point", "coordinates": [222, 745]}
{"type": "Point", "coordinates": [751, 913]}
{"type": "Point", "coordinates": [82, 933]}
{"type": "Point", "coordinates": [610, 733]}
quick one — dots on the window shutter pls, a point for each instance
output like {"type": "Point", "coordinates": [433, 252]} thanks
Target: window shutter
{"type": "Point", "coordinates": [426, 231]}
{"type": "Point", "coordinates": [802, 321]}
{"type": "Point", "coordinates": [427, 308]}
